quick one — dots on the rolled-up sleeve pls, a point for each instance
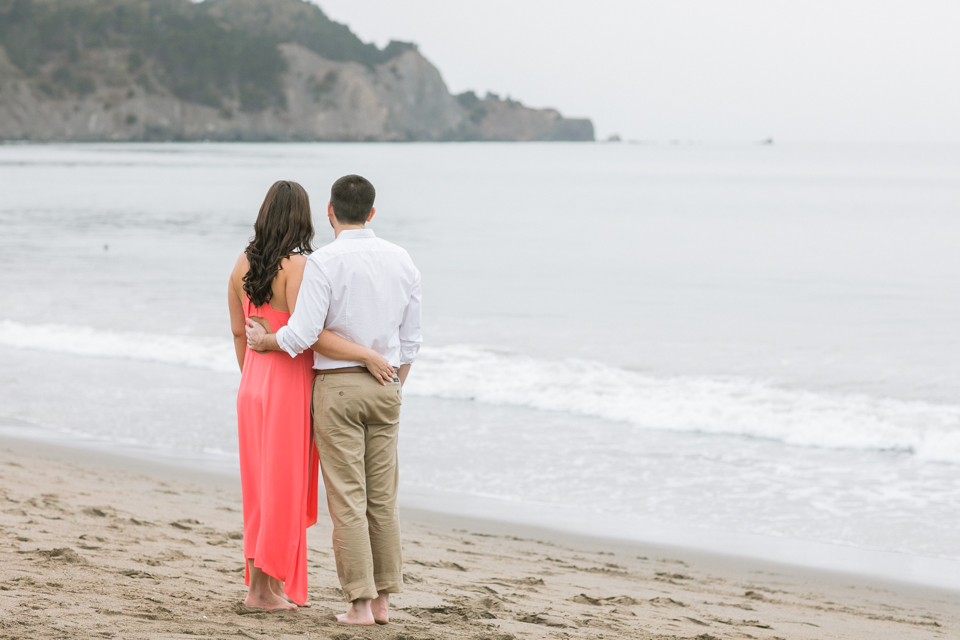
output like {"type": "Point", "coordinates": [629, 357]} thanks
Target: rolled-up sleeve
{"type": "Point", "coordinates": [306, 323]}
{"type": "Point", "coordinates": [410, 336]}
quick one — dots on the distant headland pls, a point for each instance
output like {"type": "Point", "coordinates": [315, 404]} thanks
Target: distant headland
{"type": "Point", "coordinates": [232, 70]}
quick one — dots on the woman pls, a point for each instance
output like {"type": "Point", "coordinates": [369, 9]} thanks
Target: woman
{"type": "Point", "coordinates": [278, 460]}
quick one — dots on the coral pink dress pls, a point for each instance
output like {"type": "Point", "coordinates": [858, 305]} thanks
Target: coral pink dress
{"type": "Point", "coordinates": [278, 459]}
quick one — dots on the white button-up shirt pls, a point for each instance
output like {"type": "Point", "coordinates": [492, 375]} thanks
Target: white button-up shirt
{"type": "Point", "coordinates": [361, 288]}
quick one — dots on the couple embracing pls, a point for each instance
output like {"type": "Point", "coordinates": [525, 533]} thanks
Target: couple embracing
{"type": "Point", "coordinates": [324, 341]}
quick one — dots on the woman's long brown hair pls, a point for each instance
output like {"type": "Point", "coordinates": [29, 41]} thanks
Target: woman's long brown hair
{"type": "Point", "coordinates": [284, 227]}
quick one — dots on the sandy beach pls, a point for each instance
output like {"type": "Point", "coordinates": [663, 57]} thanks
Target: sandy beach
{"type": "Point", "coordinates": [97, 545]}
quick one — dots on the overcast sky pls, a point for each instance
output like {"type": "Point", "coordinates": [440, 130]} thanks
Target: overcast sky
{"type": "Point", "coordinates": [709, 70]}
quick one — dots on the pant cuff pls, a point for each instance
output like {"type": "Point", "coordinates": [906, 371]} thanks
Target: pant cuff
{"type": "Point", "coordinates": [389, 582]}
{"type": "Point", "coordinates": [359, 590]}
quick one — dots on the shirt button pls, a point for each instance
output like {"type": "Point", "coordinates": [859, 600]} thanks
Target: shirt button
{"type": "Point", "coordinates": [341, 393]}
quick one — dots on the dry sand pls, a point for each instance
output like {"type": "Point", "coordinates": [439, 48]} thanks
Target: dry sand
{"type": "Point", "coordinates": [95, 548]}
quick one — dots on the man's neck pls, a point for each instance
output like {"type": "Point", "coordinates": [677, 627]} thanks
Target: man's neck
{"type": "Point", "coordinates": [346, 227]}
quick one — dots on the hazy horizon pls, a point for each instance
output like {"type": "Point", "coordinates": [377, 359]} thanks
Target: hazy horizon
{"type": "Point", "coordinates": [814, 72]}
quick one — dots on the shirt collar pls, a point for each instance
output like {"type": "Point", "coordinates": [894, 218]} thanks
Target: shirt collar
{"type": "Point", "coordinates": [356, 234]}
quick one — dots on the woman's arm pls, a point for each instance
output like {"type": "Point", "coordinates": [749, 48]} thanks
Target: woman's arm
{"type": "Point", "coordinates": [238, 323]}
{"type": "Point", "coordinates": [334, 347]}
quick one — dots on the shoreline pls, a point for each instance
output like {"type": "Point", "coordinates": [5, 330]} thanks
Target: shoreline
{"type": "Point", "coordinates": [834, 561]}
{"type": "Point", "coordinates": [510, 519]}
{"type": "Point", "coordinates": [98, 544]}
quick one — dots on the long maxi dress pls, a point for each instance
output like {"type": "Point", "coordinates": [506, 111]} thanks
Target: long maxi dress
{"type": "Point", "coordinates": [278, 459]}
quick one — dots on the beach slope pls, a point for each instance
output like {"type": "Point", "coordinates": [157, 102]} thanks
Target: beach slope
{"type": "Point", "coordinates": [93, 548]}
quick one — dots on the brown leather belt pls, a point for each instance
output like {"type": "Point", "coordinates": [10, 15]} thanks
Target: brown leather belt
{"type": "Point", "coordinates": [324, 372]}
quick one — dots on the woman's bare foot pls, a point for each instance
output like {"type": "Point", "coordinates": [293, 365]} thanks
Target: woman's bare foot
{"type": "Point", "coordinates": [261, 594]}
{"type": "Point", "coordinates": [359, 613]}
{"type": "Point", "coordinates": [380, 607]}
{"type": "Point", "coordinates": [268, 602]}
{"type": "Point", "coordinates": [305, 605]}
{"type": "Point", "coordinates": [277, 587]}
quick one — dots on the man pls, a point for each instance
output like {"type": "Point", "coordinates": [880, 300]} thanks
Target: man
{"type": "Point", "coordinates": [366, 290]}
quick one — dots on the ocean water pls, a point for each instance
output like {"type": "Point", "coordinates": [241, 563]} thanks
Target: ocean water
{"type": "Point", "coordinates": [719, 340]}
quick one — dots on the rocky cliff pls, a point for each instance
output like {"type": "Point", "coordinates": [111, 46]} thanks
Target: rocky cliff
{"type": "Point", "coordinates": [75, 70]}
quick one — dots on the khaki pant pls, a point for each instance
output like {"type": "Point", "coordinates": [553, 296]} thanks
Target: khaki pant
{"type": "Point", "coordinates": [356, 421]}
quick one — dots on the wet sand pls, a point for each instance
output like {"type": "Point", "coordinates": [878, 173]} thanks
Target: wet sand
{"type": "Point", "coordinates": [94, 545]}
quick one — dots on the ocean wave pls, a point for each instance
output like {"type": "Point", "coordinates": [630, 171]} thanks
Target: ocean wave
{"type": "Point", "coordinates": [681, 403]}
{"type": "Point", "coordinates": [214, 354]}
{"type": "Point", "coordinates": [690, 404]}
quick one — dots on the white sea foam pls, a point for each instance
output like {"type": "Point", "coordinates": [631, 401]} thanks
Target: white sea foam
{"type": "Point", "coordinates": [690, 404]}
{"type": "Point", "coordinates": [697, 404]}
{"type": "Point", "coordinates": [215, 354]}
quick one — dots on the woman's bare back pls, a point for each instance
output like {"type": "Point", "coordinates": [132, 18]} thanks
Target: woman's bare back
{"type": "Point", "coordinates": [285, 286]}
{"type": "Point", "coordinates": [284, 290]}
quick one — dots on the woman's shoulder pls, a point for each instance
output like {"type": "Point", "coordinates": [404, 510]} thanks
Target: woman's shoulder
{"type": "Point", "coordinates": [295, 259]}
{"type": "Point", "coordinates": [293, 263]}
{"type": "Point", "coordinates": [241, 267]}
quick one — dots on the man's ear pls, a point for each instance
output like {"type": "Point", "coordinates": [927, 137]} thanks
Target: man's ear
{"type": "Point", "coordinates": [330, 213]}
{"type": "Point", "coordinates": [373, 211]}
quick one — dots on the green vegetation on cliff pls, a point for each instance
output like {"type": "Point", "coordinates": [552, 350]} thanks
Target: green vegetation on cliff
{"type": "Point", "coordinates": [303, 23]}
{"type": "Point", "coordinates": [95, 70]}
{"type": "Point", "coordinates": [216, 53]}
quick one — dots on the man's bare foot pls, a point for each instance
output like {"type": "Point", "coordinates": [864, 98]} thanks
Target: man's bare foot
{"type": "Point", "coordinates": [359, 613]}
{"type": "Point", "coordinates": [380, 607]}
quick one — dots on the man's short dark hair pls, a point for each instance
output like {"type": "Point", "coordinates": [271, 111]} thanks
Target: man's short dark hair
{"type": "Point", "coordinates": [352, 198]}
